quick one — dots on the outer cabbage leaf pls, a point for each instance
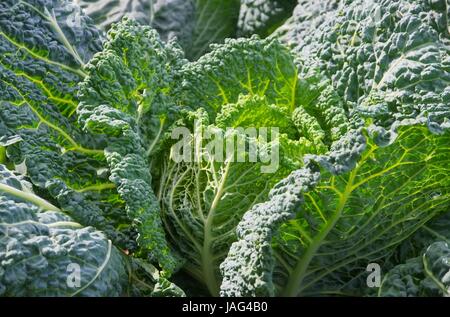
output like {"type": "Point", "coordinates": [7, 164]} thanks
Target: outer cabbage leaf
{"type": "Point", "coordinates": [196, 23]}
{"type": "Point", "coordinates": [106, 12]}
{"type": "Point", "coordinates": [367, 198]}
{"type": "Point", "coordinates": [41, 60]}
{"type": "Point", "coordinates": [127, 97]}
{"type": "Point", "coordinates": [388, 58]}
{"type": "Point", "coordinates": [101, 179]}
{"type": "Point", "coordinates": [41, 248]}
{"type": "Point", "coordinates": [262, 17]}
{"type": "Point", "coordinates": [427, 275]}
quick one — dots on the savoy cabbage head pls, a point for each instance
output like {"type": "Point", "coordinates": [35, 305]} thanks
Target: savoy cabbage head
{"type": "Point", "coordinates": [90, 124]}
{"type": "Point", "coordinates": [237, 86]}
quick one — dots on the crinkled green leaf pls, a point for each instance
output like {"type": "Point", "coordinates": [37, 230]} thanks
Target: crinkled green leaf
{"type": "Point", "coordinates": [242, 66]}
{"type": "Point", "coordinates": [247, 270]}
{"type": "Point", "coordinates": [126, 92]}
{"type": "Point", "coordinates": [388, 58]}
{"type": "Point", "coordinates": [43, 252]}
{"type": "Point", "coordinates": [307, 15]}
{"type": "Point", "coordinates": [100, 176]}
{"type": "Point", "coordinates": [202, 202]}
{"type": "Point", "coordinates": [388, 64]}
{"type": "Point", "coordinates": [41, 60]}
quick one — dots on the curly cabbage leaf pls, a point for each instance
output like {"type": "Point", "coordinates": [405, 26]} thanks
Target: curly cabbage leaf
{"type": "Point", "coordinates": [306, 15]}
{"type": "Point", "coordinates": [127, 91]}
{"type": "Point", "coordinates": [388, 58]}
{"type": "Point", "coordinates": [353, 213]}
{"type": "Point", "coordinates": [41, 63]}
{"type": "Point", "coordinates": [43, 252]}
{"type": "Point", "coordinates": [258, 67]}
{"type": "Point", "coordinates": [379, 184]}
{"type": "Point", "coordinates": [95, 166]}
